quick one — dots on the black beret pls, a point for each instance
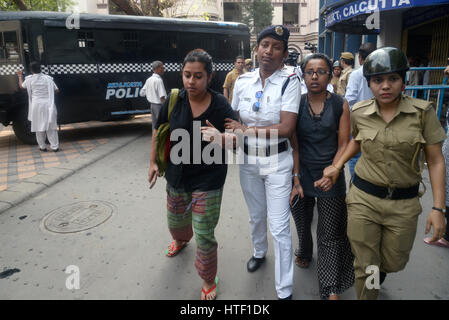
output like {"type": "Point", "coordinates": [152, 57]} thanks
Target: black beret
{"type": "Point", "coordinates": [277, 32]}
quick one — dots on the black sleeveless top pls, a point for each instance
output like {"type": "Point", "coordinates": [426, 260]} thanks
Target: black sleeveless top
{"type": "Point", "coordinates": [318, 144]}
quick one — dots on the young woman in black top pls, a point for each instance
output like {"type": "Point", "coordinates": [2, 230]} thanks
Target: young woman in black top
{"type": "Point", "coordinates": [322, 134]}
{"type": "Point", "coordinates": [194, 187]}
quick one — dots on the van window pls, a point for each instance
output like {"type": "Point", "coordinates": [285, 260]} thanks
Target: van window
{"type": "Point", "coordinates": [130, 39]}
{"type": "Point", "coordinates": [9, 49]}
{"type": "Point", "coordinates": [160, 45]}
{"type": "Point", "coordinates": [86, 39]}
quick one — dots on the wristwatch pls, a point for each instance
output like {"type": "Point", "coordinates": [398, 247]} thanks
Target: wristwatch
{"type": "Point", "coordinates": [439, 209]}
{"type": "Point", "coordinates": [296, 175]}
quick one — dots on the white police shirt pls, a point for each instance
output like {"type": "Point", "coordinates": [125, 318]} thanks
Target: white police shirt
{"type": "Point", "coordinates": [272, 101]}
{"type": "Point", "coordinates": [357, 89]}
{"type": "Point", "coordinates": [154, 89]}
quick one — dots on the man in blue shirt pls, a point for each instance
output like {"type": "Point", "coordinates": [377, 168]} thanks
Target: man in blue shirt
{"type": "Point", "coordinates": [358, 89]}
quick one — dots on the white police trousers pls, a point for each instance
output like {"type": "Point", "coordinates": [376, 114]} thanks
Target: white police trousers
{"type": "Point", "coordinates": [266, 187]}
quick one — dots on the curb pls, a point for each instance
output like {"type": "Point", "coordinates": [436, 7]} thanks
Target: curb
{"type": "Point", "coordinates": [26, 189]}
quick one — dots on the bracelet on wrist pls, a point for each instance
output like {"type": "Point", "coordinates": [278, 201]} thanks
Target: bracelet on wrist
{"type": "Point", "coordinates": [443, 211]}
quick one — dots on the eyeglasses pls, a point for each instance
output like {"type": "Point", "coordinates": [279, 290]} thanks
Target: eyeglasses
{"type": "Point", "coordinates": [256, 105]}
{"type": "Point", "coordinates": [319, 73]}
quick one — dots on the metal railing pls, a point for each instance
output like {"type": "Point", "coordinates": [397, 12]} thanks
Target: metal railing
{"type": "Point", "coordinates": [441, 88]}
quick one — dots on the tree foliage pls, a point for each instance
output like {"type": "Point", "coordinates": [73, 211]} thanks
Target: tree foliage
{"type": "Point", "coordinates": [35, 5]}
{"type": "Point", "coordinates": [257, 14]}
{"type": "Point", "coordinates": [144, 8]}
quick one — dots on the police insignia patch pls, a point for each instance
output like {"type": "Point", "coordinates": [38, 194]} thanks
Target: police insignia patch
{"type": "Point", "coordinates": [279, 30]}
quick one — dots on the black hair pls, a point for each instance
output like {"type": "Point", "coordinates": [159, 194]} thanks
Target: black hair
{"type": "Point", "coordinates": [349, 62]}
{"type": "Point", "coordinates": [239, 57]}
{"type": "Point", "coordinates": [366, 49]}
{"type": "Point", "coordinates": [199, 55]}
{"type": "Point", "coordinates": [35, 67]}
{"type": "Point", "coordinates": [313, 56]}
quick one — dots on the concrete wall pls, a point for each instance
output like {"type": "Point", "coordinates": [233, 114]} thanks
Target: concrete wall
{"type": "Point", "coordinates": [391, 29]}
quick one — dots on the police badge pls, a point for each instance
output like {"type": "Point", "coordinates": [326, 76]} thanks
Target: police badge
{"type": "Point", "coordinates": [279, 30]}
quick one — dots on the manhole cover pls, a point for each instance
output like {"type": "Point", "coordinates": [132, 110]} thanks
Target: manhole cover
{"type": "Point", "coordinates": [77, 217]}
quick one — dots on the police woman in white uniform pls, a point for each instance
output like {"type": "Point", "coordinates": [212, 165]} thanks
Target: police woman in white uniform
{"type": "Point", "coordinates": [268, 99]}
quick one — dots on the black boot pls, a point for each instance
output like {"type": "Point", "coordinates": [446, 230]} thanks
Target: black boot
{"type": "Point", "coordinates": [254, 263]}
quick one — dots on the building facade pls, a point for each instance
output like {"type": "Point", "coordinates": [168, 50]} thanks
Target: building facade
{"type": "Point", "coordinates": [419, 27]}
{"type": "Point", "coordinates": [211, 10]}
{"type": "Point", "coordinates": [300, 16]}
{"type": "Point", "coordinates": [91, 6]}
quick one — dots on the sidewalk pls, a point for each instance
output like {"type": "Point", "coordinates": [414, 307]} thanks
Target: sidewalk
{"type": "Point", "coordinates": [24, 171]}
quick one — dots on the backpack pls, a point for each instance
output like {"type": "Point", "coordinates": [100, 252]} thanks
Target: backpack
{"type": "Point", "coordinates": [163, 143]}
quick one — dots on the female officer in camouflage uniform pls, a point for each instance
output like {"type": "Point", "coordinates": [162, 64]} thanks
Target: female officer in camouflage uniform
{"type": "Point", "coordinates": [383, 201]}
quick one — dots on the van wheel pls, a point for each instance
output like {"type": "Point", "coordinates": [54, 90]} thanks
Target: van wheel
{"type": "Point", "coordinates": [22, 129]}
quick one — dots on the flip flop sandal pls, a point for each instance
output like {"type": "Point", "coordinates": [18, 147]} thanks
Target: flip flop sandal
{"type": "Point", "coordinates": [440, 243]}
{"type": "Point", "coordinates": [173, 250]}
{"type": "Point", "coordinates": [206, 293]}
{"type": "Point", "coordinates": [304, 264]}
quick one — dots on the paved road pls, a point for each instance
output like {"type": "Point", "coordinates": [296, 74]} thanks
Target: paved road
{"type": "Point", "coordinates": [24, 170]}
{"type": "Point", "coordinates": [19, 161]}
{"type": "Point", "coordinates": [123, 258]}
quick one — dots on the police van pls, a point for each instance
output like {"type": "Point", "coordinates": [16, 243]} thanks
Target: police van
{"type": "Point", "coordinates": [100, 62]}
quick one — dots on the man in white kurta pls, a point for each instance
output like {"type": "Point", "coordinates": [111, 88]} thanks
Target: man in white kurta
{"type": "Point", "coordinates": [41, 107]}
{"type": "Point", "coordinates": [154, 90]}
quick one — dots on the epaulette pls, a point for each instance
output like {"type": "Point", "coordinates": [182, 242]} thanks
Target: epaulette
{"type": "Point", "coordinates": [362, 104]}
{"type": "Point", "coordinates": [419, 103]}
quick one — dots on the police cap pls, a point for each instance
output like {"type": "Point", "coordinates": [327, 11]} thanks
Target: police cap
{"type": "Point", "coordinates": [385, 60]}
{"type": "Point", "coordinates": [337, 64]}
{"type": "Point", "coordinates": [277, 32]}
{"type": "Point", "coordinates": [347, 56]}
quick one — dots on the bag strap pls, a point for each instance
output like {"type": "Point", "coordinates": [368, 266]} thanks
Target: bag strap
{"type": "Point", "coordinates": [284, 86]}
{"type": "Point", "coordinates": [173, 99]}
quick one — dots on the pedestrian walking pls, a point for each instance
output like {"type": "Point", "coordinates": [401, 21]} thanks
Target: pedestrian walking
{"type": "Point", "coordinates": [154, 90]}
{"type": "Point", "coordinates": [358, 89]}
{"type": "Point", "coordinates": [347, 63]}
{"type": "Point", "coordinates": [336, 73]}
{"type": "Point", "coordinates": [330, 87]}
{"type": "Point", "coordinates": [267, 102]}
{"type": "Point", "coordinates": [41, 106]}
{"type": "Point", "coordinates": [249, 65]}
{"type": "Point", "coordinates": [194, 188]}
{"type": "Point", "coordinates": [412, 76]}
{"type": "Point", "coordinates": [444, 241]}
{"type": "Point", "coordinates": [383, 200]}
{"type": "Point", "coordinates": [322, 134]}
{"type": "Point", "coordinates": [231, 77]}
